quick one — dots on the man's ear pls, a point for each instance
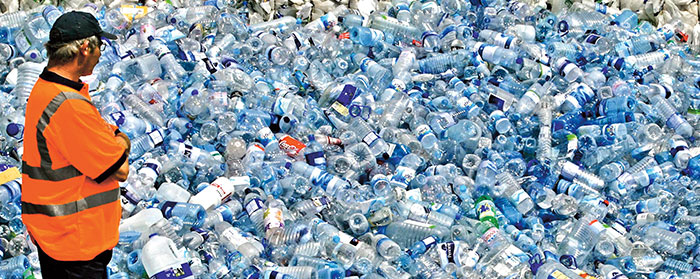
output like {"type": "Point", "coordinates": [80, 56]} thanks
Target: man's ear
{"type": "Point", "coordinates": [85, 48]}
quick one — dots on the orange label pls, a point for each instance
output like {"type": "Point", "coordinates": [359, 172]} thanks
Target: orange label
{"type": "Point", "coordinates": [291, 145]}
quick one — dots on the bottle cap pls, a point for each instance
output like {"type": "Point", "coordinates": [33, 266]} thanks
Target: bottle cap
{"type": "Point", "coordinates": [12, 129]}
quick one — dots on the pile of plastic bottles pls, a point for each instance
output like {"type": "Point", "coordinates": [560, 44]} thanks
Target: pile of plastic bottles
{"type": "Point", "coordinates": [437, 139]}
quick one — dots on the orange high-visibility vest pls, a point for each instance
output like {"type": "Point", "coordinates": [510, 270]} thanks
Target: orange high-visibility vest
{"type": "Point", "coordinates": [70, 201]}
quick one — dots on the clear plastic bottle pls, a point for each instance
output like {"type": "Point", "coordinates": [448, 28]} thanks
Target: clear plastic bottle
{"type": "Point", "coordinates": [161, 257]}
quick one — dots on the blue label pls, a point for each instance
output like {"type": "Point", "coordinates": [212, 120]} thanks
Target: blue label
{"type": "Point", "coordinates": [182, 271]}
{"type": "Point", "coordinates": [118, 118]}
{"type": "Point", "coordinates": [315, 158]}
{"type": "Point", "coordinates": [226, 213]}
{"type": "Point", "coordinates": [346, 95]}
{"type": "Point", "coordinates": [497, 101]}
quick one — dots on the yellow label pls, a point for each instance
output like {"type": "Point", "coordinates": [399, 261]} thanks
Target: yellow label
{"type": "Point", "coordinates": [9, 175]}
{"type": "Point", "coordinates": [558, 275]}
{"type": "Point", "coordinates": [340, 108]}
{"type": "Point", "coordinates": [132, 12]}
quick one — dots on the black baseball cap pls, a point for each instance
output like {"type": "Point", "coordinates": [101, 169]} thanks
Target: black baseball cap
{"type": "Point", "coordinates": [76, 25]}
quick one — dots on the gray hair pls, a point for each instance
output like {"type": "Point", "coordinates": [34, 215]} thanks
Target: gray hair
{"type": "Point", "coordinates": [61, 53]}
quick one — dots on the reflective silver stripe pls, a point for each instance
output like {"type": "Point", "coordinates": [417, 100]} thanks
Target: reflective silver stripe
{"type": "Point", "coordinates": [45, 170]}
{"type": "Point", "coordinates": [54, 210]}
{"type": "Point", "coordinates": [41, 173]}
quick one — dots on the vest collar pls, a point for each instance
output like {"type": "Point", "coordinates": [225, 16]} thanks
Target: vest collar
{"type": "Point", "coordinates": [54, 77]}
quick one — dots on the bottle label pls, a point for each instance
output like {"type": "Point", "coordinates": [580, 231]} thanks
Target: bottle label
{"type": "Point", "coordinates": [151, 169]}
{"type": "Point", "coordinates": [448, 252]}
{"type": "Point", "coordinates": [226, 214]}
{"type": "Point", "coordinates": [503, 41]}
{"type": "Point", "coordinates": [291, 146]}
{"type": "Point", "coordinates": [677, 145]}
{"type": "Point", "coordinates": [315, 158]}
{"type": "Point", "coordinates": [347, 239]}
{"type": "Point", "coordinates": [179, 271]}
{"type": "Point", "coordinates": [422, 131]}
{"type": "Point", "coordinates": [234, 236]}
{"type": "Point", "coordinates": [333, 185]}
{"type": "Point", "coordinates": [320, 203]}
{"type": "Point", "coordinates": [167, 208]}
{"type": "Point", "coordinates": [223, 193]}
{"type": "Point", "coordinates": [22, 43]}
{"type": "Point", "coordinates": [532, 94]}
{"type": "Point", "coordinates": [615, 274]}
{"type": "Point", "coordinates": [489, 236]}
{"type": "Point", "coordinates": [316, 175]}
{"type": "Point", "coordinates": [497, 101]}
{"type": "Point", "coordinates": [370, 138]}
{"type": "Point", "coordinates": [489, 52]}
{"type": "Point", "coordinates": [118, 118]}
{"type": "Point", "coordinates": [189, 151]}
{"type": "Point", "coordinates": [253, 205]}
{"type": "Point", "coordinates": [557, 275]}
{"type": "Point", "coordinates": [273, 218]}
{"type": "Point", "coordinates": [156, 137]}
{"type": "Point", "coordinates": [485, 208]}
{"type": "Point", "coordinates": [341, 103]}
{"type": "Point", "coordinates": [265, 136]}
{"type": "Point", "coordinates": [519, 196]}
{"type": "Point", "coordinates": [429, 242]}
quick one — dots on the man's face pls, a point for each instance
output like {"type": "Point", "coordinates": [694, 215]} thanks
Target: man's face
{"type": "Point", "coordinates": [90, 57]}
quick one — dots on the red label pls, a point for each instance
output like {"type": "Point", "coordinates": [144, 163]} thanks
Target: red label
{"type": "Point", "coordinates": [291, 145]}
{"type": "Point", "coordinates": [345, 35]}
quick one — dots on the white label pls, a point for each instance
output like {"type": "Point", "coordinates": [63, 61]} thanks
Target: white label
{"type": "Point", "coordinates": [273, 218]}
{"type": "Point", "coordinates": [489, 52]}
{"type": "Point", "coordinates": [156, 137]}
{"type": "Point", "coordinates": [428, 242]}
{"type": "Point", "coordinates": [332, 186]}
{"type": "Point", "coordinates": [189, 151]}
{"type": "Point", "coordinates": [234, 237]}
{"type": "Point", "coordinates": [568, 68]}
{"type": "Point", "coordinates": [253, 205]}
{"type": "Point", "coordinates": [22, 43]}
{"type": "Point", "coordinates": [223, 189]}
{"type": "Point", "coordinates": [519, 196]}
{"type": "Point", "coordinates": [533, 96]}
{"type": "Point", "coordinates": [370, 138]}
{"type": "Point", "coordinates": [501, 40]}
{"type": "Point", "coordinates": [422, 131]}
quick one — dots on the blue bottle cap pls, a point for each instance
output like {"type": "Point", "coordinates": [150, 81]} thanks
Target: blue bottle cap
{"type": "Point", "coordinates": [12, 129]}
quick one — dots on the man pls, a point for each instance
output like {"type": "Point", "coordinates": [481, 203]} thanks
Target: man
{"type": "Point", "coordinates": [72, 159]}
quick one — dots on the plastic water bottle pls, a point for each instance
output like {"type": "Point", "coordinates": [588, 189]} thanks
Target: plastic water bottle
{"type": "Point", "coordinates": [145, 143]}
{"type": "Point", "coordinates": [161, 257]}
